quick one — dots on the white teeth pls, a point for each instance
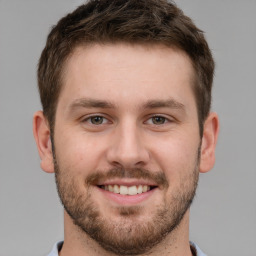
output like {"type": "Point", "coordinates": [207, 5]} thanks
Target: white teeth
{"type": "Point", "coordinates": [111, 188]}
{"type": "Point", "coordinates": [116, 189]}
{"type": "Point", "coordinates": [132, 190]}
{"type": "Point", "coordinates": [144, 188]}
{"type": "Point", "coordinates": [139, 189]}
{"type": "Point", "coordinates": [125, 190]}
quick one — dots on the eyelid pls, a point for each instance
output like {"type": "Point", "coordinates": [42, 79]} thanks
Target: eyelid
{"type": "Point", "coordinates": [168, 119]}
{"type": "Point", "coordinates": [87, 118]}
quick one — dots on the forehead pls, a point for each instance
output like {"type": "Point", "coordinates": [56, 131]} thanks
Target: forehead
{"type": "Point", "coordinates": [119, 71]}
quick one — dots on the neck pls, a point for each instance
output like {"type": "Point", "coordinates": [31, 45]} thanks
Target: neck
{"type": "Point", "coordinates": [77, 242]}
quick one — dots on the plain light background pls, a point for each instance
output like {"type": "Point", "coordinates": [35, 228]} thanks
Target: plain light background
{"type": "Point", "coordinates": [223, 215]}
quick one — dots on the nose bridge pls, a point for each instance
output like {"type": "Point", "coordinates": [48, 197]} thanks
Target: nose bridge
{"type": "Point", "coordinates": [127, 148]}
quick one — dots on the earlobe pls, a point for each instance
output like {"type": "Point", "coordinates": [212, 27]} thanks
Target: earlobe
{"type": "Point", "coordinates": [209, 140]}
{"type": "Point", "coordinates": [42, 137]}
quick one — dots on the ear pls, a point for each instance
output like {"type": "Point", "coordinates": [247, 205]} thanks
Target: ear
{"type": "Point", "coordinates": [42, 137]}
{"type": "Point", "coordinates": [209, 140]}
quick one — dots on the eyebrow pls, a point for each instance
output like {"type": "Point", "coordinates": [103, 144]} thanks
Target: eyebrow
{"type": "Point", "coordinates": [91, 103]}
{"type": "Point", "coordinates": [170, 103]}
{"type": "Point", "coordinates": [151, 104]}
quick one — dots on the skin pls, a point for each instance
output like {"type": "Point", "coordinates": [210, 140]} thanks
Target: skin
{"type": "Point", "coordinates": [129, 78]}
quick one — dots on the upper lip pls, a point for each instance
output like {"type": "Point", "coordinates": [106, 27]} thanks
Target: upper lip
{"type": "Point", "coordinates": [127, 182]}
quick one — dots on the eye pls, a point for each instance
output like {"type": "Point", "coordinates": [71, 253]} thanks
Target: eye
{"type": "Point", "coordinates": [96, 120]}
{"type": "Point", "coordinates": [157, 120]}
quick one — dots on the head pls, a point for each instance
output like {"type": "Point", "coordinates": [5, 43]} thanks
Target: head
{"type": "Point", "coordinates": [126, 92]}
{"type": "Point", "coordinates": [135, 22]}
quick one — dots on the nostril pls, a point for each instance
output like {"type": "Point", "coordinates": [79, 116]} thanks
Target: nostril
{"type": "Point", "coordinates": [127, 154]}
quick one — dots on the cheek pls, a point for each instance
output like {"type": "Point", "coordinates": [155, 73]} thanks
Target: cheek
{"type": "Point", "coordinates": [78, 152]}
{"type": "Point", "coordinates": [176, 157]}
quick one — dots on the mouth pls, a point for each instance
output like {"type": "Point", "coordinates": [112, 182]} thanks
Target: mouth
{"type": "Point", "coordinates": [127, 190]}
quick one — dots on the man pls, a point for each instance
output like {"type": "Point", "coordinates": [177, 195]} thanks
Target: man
{"type": "Point", "coordinates": [126, 126]}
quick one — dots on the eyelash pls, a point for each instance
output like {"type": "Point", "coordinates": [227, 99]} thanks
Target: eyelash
{"type": "Point", "coordinates": [89, 119]}
{"type": "Point", "coordinates": [106, 120]}
{"type": "Point", "coordinates": [165, 120]}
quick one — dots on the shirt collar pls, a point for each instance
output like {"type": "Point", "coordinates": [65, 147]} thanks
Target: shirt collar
{"type": "Point", "coordinates": [194, 248]}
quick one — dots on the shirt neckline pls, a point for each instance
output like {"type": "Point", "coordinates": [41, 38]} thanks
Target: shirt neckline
{"type": "Point", "coordinates": [192, 248]}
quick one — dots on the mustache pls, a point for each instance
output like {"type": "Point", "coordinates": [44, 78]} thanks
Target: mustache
{"type": "Point", "coordinates": [158, 178]}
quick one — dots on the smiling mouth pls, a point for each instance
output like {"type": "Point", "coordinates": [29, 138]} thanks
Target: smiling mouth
{"type": "Point", "coordinates": [127, 190]}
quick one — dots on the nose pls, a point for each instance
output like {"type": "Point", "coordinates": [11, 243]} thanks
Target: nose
{"type": "Point", "coordinates": [127, 148]}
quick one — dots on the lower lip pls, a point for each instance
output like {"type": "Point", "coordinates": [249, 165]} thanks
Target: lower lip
{"type": "Point", "coordinates": [127, 199]}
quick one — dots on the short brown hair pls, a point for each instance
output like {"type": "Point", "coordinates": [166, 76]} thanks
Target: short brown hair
{"type": "Point", "coordinates": [131, 21]}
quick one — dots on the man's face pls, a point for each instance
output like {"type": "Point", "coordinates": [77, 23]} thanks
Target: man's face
{"type": "Point", "coordinates": [127, 143]}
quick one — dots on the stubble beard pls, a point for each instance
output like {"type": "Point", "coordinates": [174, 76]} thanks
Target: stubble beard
{"type": "Point", "coordinates": [128, 234]}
